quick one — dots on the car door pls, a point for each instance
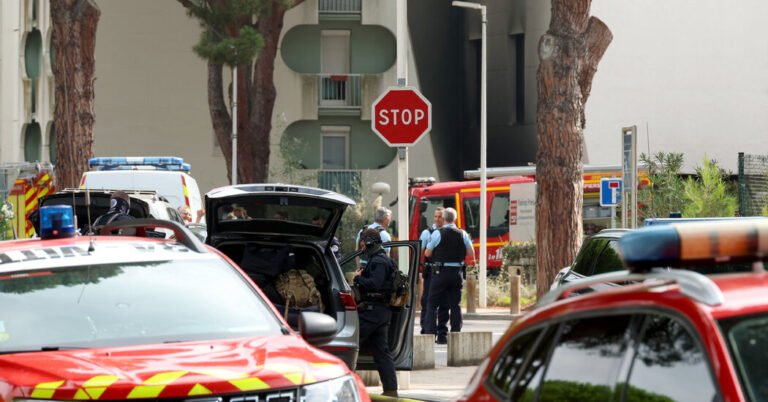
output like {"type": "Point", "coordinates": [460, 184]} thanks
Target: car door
{"type": "Point", "coordinates": [406, 254]}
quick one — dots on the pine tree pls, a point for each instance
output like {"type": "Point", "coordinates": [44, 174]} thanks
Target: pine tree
{"type": "Point", "coordinates": [709, 195]}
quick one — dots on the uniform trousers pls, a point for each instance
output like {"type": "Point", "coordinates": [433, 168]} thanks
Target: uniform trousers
{"type": "Point", "coordinates": [444, 289]}
{"type": "Point", "coordinates": [442, 310]}
{"type": "Point", "coordinates": [374, 330]}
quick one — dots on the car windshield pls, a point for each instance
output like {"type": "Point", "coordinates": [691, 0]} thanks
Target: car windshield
{"type": "Point", "coordinates": [748, 343]}
{"type": "Point", "coordinates": [129, 304]}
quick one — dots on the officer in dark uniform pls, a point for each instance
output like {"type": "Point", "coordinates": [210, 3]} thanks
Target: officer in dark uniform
{"type": "Point", "coordinates": [119, 208]}
{"type": "Point", "coordinates": [447, 248]}
{"type": "Point", "coordinates": [426, 272]}
{"type": "Point", "coordinates": [375, 281]}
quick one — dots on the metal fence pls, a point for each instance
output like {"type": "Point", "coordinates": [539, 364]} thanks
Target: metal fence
{"type": "Point", "coordinates": [340, 6]}
{"type": "Point", "coordinates": [347, 182]}
{"type": "Point", "coordinates": [753, 184]}
{"type": "Point", "coordinates": [342, 90]}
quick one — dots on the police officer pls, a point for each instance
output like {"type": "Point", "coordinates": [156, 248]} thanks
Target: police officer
{"type": "Point", "coordinates": [375, 282]}
{"type": "Point", "coordinates": [447, 247]}
{"type": "Point", "coordinates": [119, 207]}
{"type": "Point", "coordinates": [426, 271]}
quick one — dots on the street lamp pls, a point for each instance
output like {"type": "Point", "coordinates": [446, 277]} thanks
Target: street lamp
{"type": "Point", "coordinates": [483, 134]}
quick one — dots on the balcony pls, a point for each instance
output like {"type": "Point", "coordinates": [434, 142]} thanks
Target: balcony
{"type": "Point", "coordinates": [340, 92]}
{"type": "Point", "coordinates": [340, 9]}
{"type": "Point", "coordinates": [347, 182]}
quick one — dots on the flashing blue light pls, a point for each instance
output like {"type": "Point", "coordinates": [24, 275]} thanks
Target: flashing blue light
{"type": "Point", "coordinates": [56, 221]}
{"type": "Point", "coordinates": [139, 163]}
{"type": "Point", "coordinates": [653, 246]}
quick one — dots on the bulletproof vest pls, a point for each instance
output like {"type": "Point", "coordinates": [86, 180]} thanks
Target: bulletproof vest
{"type": "Point", "coordinates": [381, 261]}
{"type": "Point", "coordinates": [451, 247]}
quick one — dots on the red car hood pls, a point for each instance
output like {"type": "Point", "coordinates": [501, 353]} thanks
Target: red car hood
{"type": "Point", "coordinates": [166, 371]}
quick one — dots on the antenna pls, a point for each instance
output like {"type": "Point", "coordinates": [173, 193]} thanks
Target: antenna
{"type": "Point", "coordinates": [88, 210]}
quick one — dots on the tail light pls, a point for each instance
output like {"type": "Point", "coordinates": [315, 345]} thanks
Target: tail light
{"type": "Point", "coordinates": [348, 301]}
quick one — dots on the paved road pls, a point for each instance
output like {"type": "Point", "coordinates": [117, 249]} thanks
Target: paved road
{"type": "Point", "coordinates": [446, 383]}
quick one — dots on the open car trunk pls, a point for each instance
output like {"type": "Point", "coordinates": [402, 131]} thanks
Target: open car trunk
{"type": "Point", "coordinates": [266, 262]}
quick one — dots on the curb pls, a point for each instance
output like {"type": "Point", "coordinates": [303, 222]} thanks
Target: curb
{"type": "Point", "coordinates": [484, 317]}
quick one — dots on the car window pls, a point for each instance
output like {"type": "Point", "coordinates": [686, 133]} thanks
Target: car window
{"type": "Point", "coordinates": [472, 216]}
{"type": "Point", "coordinates": [748, 345]}
{"type": "Point", "coordinates": [587, 256]}
{"type": "Point", "coordinates": [666, 356]}
{"type": "Point", "coordinates": [131, 303]}
{"type": "Point", "coordinates": [429, 205]}
{"type": "Point", "coordinates": [498, 217]}
{"type": "Point", "coordinates": [586, 359]}
{"type": "Point", "coordinates": [609, 259]}
{"type": "Point", "coordinates": [530, 376]}
{"type": "Point", "coordinates": [510, 361]}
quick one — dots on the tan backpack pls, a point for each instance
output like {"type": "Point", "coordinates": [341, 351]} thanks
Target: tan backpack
{"type": "Point", "coordinates": [298, 289]}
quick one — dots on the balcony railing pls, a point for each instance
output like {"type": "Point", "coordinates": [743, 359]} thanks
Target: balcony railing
{"type": "Point", "coordinates": [340, 6]}
{"type": "Point", "coordinates": [347, 182]}
{"type": "Point", "coordinates": [339, 90]}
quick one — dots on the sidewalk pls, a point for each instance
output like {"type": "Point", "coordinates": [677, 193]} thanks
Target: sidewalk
{"type": "Point", "coordinates": [483, 314]}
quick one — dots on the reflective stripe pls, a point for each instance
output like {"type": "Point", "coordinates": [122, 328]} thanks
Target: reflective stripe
{"type": "Point", "coordinates": [155, 385]}
{"type": "Point", "coordinates": [186, 192]}
{"type": "Point", "coordinates": [95, 387]}
{"type": "Point", "coordinates": [199, 390]}
{"type": "Point", "coordinates": [249, 384]}
{"type": "Point", "coordinates": [45, 390]}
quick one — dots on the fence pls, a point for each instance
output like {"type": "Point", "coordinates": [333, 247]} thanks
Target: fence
{"type": "Point", "coordinates": [347, 182]}
{"type": "Point", "coordinates": [753, 184]}
{"type": "Point", "coordinates": [340, 6]}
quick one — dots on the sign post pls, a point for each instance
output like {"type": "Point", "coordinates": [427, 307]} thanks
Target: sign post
{"type": "Point", "coordinates": [610, 196]}
{"type": "Point", "coordinates": [629, 173]}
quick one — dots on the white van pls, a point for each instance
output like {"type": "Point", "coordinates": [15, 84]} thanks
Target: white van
{"type": "Point", "coordinates": [166, 175]}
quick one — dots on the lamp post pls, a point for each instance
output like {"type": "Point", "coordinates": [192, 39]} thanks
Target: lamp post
{"type": "Point", "coordinates": [483, 258]}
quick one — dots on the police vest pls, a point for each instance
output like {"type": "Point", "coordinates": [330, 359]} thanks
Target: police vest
{"type": "Point", "coordinates": [381, 260]}
{"type": "Point", "coordinates": [451, 247]}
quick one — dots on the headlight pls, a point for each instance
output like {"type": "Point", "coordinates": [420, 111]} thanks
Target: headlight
{"type": "Point", "coordinates": [342, 389]}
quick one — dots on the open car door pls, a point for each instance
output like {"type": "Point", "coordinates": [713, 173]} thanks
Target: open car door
{"type": "Point", "coordinates": [406, 255]}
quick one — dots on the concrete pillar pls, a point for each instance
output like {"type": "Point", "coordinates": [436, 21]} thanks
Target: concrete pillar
{"type": "Point", "coordinates": [370, 377]}
{"type": "Point", "coordinates": [423, 352]}
{"type": "Point", "coordinates": [468, 348]}
{"type": "Point", "coordinates": [514, 289]}
{"type": "Point", "coordinates": [471, 286]}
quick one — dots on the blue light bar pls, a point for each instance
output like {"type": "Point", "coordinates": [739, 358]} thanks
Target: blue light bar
{"type": "Point", "coordinates": [56, 221]}
{"type": "Point", "coordinates": [139, 163]}
{"type": "Point", "coordinates": [652, 246]}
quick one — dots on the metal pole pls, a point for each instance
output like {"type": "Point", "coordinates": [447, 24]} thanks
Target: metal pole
{"type": "Point", "coordinates": [483, 173]}
{"type": "Point", "coordinates": [402, 152]}
{"type": "Point", "coordinates": [234, 125]}
{"type": "Point", "coordinates": [634, 177]}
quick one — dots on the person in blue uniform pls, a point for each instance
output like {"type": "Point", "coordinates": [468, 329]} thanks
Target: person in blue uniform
{"type": "Point", "coordinates": [426, 271]}
{"type": "Point", "coordinates": [375, 282]}
{"type": "Point", "coordinates": [448, 248]}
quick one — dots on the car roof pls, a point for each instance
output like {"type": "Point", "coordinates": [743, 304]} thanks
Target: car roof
{"type": "Point", "coordinates": [610, 233]}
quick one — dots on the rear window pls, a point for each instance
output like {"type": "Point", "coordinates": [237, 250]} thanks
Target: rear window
{"type": "Point", "coordinates": [276, 214]}
{"type": "Point", "coordinates": [129, 304]}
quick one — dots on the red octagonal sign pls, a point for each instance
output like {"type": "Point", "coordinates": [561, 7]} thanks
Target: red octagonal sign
{"type": "Point", "coordinates": [401, 116]}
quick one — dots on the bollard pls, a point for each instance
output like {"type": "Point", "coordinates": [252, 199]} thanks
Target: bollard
{"type": "Point", "coordinates": [423, 352]}
{"type": "Point", "coordinates": [468, 348]}
{"type": "Point", "coordinates": [370, 377]}
{"type": "Point", "coordinates": [514, 289]}
{"type": "Point", "coordinates": [471, 294]}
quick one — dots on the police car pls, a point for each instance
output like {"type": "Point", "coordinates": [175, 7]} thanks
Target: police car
{"type": "Point", "coordinates": [129, 317]}
{"type": "Point", "coordinates": [692, 325]}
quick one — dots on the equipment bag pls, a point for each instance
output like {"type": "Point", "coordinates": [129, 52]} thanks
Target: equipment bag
{"type": "Point", "coordinates": [401, 289]}
{"type": "Point", "coordinates": [298, 289]}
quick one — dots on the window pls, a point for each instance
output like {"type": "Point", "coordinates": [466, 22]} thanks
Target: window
{"type": "Point", "coordinates": [32, 142]}
{"type": "Point", "coordinates": [334, 148]}
{"type": "Point", "coordinates": [52, 143]}
{"type": "Point", "coordinates": [667, 356]}
{"type": "Point", "coordinates": [748, 344]}
{"type": "Point", "coordinates": [427, 207]}
{"type": "Point", "coordinates": [510, 362]}
{"type": "Point", "coordinates": [609, 260]}
{"type": "Point", "coordinates": [498, 224]}
{"type": "Point", "coordinates": [596, 343]}
{"type": "Point", "coordinates": [334, 65]}
{"type": "Point", "coordinates": [587, 256]}
{"type": "Point", "coordinates": [472, 216]}
{"type": "Point", "coordinates": [528, 380]}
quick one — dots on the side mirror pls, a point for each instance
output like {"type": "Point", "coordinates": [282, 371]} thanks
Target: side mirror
{"type": "Point", "coordinates": [316, 328]}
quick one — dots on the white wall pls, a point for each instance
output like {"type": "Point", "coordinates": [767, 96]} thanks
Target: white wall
{"type": "Point", "coordinates": [691, 74]}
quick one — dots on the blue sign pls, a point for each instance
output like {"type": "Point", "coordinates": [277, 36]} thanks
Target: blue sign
{"type": "Point", "coordinates": [610, 192]}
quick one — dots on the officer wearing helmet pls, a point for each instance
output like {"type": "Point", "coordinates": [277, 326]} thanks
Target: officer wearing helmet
{"type": "Point", "coordinates": [375, 282]}
{"type": "Point", "coordinates": [119, 208]}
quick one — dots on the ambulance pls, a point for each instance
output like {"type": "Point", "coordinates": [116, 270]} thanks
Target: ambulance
{"type": "Point", "coordinates": [166, 175]}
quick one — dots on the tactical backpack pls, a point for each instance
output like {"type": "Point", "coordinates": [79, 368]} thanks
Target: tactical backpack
{"type": "Point", "coordinates": [401, 289]}
{"type": "Point", "coordinates": [298, 289]}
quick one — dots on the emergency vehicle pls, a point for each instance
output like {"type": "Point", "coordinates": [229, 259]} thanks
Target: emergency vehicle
{"type": "Point", "coordinates": [167, 175]}
{"type": "Point", "coordinates": [28, 182]}
{"type": "Point", "coordinates": [117, 318]}
{"type": "Point", "coordinates": [503, 212]}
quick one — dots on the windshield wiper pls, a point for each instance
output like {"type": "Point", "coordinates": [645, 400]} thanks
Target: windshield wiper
{"type": "Point", "coordinates": [41, 349]}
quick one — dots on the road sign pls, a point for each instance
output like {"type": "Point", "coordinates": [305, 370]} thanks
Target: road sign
{"type": "Point", "coordinates": [401, 116]}
{"type": "Point", "coordinates": [610, 192]}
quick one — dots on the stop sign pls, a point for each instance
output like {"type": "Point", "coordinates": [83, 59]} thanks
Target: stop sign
{"type": "Point", "coordinates": [401, 116]}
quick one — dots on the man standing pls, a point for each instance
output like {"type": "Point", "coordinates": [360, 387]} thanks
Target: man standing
{"type": "Point", "coordinates": [426, 271]}
{"type": "Point", "coordinates": [447, 248]}
{"type": "Point", "coordinates": [375, 281]}
{"type": "Point", "coordinates": [381, 219]}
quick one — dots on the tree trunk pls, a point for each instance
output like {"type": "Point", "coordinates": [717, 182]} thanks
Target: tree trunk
{"type": "Point", "coordinates": [569, 54]}
{"type": "Point", "coordinates": [74, 25]}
